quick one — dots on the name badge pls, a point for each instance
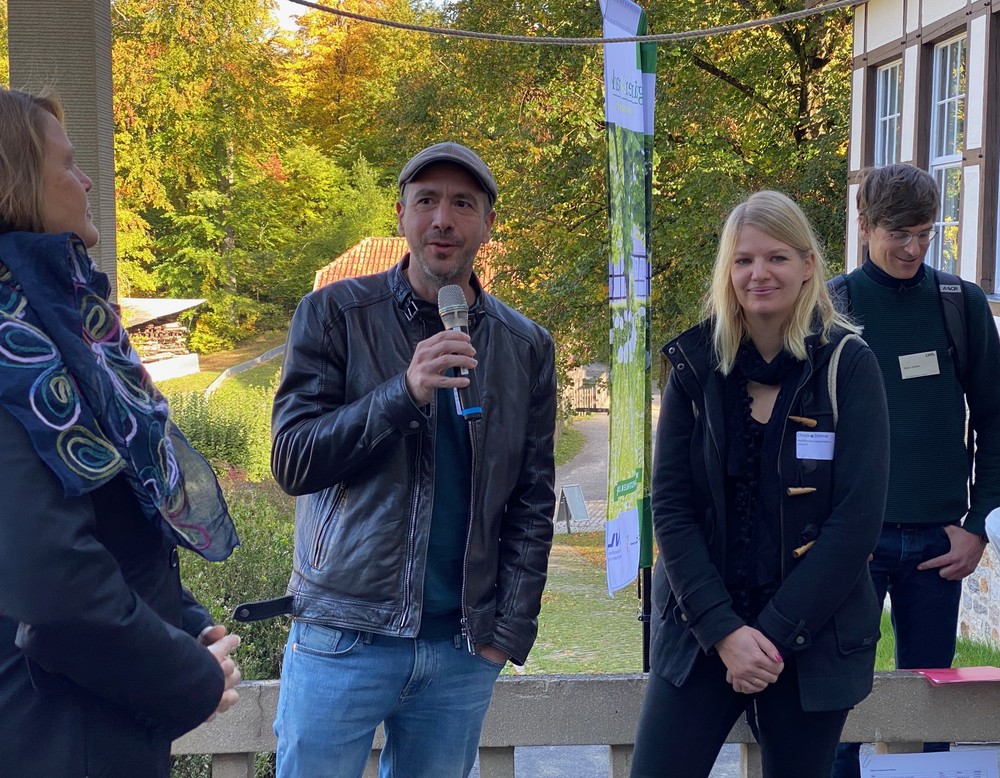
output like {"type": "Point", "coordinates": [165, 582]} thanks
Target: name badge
{"type": "Point", "coordinates": [814, 445]}
{"type": "Point", "coordinates": [919, 365]}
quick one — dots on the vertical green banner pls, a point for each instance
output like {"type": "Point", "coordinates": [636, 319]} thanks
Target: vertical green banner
{"type": "Point", "coordinates": [629, 81]}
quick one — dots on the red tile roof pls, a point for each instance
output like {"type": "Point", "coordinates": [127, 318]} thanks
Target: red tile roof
{"type": "Point", "coordinates": [374, 255]}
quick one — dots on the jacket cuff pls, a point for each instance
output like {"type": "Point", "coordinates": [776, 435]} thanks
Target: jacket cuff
{"type": "Point", "coordinates": [403, 413]}
{"type": "Point", "coordinates": [716, 628]}
{"type": "Point", "coordinates": [508, 642]}
{"type": "Point", "coordinates": [975, 522]}
{"type": "Point", "coordinates": [708, 613]}
{"type": "Point", "coordinates": [790, 635]}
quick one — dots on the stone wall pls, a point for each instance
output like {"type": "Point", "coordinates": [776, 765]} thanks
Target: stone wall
{"type": "Point", "coordinates": [979, 617]}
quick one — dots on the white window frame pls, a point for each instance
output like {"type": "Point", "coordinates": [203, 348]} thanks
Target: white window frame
{"type": "Point", "coordinates": [888, 111]}
{"type": "Point", "coordinates": [948, 92]}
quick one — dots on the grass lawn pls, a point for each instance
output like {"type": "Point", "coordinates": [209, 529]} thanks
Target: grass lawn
{"type": "Point", "coordinates": [212, 365]}
{"type": "Point", "coordinates": [570, 444]}
{"type": "Point", "coordinates": [582, 630]}
{"type": "Point", "coordinates": [244, 351]}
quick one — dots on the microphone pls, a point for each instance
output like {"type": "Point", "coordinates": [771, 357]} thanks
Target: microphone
{"type": "Point", "coordinates": [454, 312]}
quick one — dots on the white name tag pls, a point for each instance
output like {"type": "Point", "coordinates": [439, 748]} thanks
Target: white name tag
{"type": "Point", "coordinates": [919, 365]}
{"type": "Point", "coordinates": [814, 445]}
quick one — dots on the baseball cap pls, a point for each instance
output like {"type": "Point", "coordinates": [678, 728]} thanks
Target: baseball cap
{"type": "Point", "coordinates": [456, 154]}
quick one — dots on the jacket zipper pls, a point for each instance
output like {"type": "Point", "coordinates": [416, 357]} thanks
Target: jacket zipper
{"type": "Point", "coordinates": [470, 642]}
{"type": "Point", "coordinates": [411, 538]}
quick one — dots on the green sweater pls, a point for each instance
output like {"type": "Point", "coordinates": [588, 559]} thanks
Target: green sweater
{"type": "Point", "coordinates": [929, 470]}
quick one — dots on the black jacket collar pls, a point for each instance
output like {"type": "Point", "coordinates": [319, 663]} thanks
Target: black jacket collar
{"type": "Point", "coordinates": [413, 305]}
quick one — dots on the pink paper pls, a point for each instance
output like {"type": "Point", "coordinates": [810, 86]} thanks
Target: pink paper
{"type": "Point", "coordinates": [938, 676]}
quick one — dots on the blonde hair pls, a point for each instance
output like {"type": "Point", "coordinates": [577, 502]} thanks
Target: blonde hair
{"type": "Point", "coordinates": [779, 217]}
{"type": "Point", "coordinates": [22, 153]}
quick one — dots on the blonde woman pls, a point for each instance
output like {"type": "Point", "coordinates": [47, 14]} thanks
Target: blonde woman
{"type": "Point", "coordinates": [768, 490]}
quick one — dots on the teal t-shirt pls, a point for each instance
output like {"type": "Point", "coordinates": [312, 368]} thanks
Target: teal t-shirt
{"type": "Point", "coordinates": [442, 602]}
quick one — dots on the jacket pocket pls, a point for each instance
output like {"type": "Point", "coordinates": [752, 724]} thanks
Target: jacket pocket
{"type": "Point", "coordinates": [856, 622]}
{"type": "Point", "coordinates": [320, 543]}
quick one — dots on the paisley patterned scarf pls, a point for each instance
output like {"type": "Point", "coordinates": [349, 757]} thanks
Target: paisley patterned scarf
{"type": "Point", "coordinates": [70, 376]}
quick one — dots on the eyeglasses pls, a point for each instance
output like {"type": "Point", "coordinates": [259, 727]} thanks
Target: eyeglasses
{"type": "Point", "coordinates": [903, 238]}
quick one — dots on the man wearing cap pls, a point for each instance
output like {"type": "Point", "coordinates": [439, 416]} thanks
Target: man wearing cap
{"type": "Point", "coordinates": [421, 536]}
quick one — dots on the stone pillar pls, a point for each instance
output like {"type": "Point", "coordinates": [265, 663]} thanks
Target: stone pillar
{"type": "Point", "coordinates": [66, 46]}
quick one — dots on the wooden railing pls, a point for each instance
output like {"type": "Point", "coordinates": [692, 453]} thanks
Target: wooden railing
{"type": "Point", "coordinates": [902, 712]}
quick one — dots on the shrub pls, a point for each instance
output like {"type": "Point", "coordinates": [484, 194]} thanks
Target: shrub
{"type": "Point", "coordinates": [231, 430]}
{"type": "Point", "coordinates": [258, 569]}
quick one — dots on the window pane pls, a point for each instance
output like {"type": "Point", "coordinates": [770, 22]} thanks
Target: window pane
{"type": "Point", "coordinates": [887, 125]}
{"type": "Point", "coordinates": [947, 143]}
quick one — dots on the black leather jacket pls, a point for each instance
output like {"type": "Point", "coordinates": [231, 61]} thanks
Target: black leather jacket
{"type": "Point", "coordinates": [825, 611]}
{"type": "Point", "coordinates": [350, 443]}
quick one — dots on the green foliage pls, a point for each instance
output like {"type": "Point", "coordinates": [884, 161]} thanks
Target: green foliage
{"type": "Point", "coordinates": [246, 160]}
{"type": "Point", "coordinates": [570, 444]}
{"type": "Point", "coordinates": [4, 58]}
{"type": "Point", "coordinates": [231, 429]}
{"type": "Point", "coordinates": [757, 109]}
{"type": "Point", "coordinates": [258, 569]}
{"type": "Point", "coordinates": [222, 194]}
{"type": "Point", "coordinates": [200, 766]}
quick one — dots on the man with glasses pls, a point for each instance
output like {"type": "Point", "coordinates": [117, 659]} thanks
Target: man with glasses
{"type": "Point", "coordinates": [933, 534]}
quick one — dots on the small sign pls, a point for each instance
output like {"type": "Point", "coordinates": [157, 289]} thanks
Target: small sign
{"type": "Point", "coordinates": [571, 505]}
{"type": "Point", "coordinates": [621, 549]}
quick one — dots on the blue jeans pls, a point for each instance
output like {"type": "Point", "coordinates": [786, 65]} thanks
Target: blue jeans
{"type": "Point", "coordinates": [337, 685]}
{"type": "Point", "coordinates": [924, 611]}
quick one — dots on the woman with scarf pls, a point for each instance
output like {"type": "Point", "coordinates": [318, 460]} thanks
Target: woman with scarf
{"type": "Point", "coordinates": [104, 657]}
{"type": "Point", "coordinates": [768, 491]}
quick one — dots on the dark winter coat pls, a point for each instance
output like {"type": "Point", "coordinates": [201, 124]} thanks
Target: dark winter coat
{"type": "Point", "coordinates": [825, 611]}
{"type": "Point", "coordinates": [99, 669]}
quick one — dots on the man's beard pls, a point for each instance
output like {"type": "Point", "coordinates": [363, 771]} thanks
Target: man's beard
{"type": "Point", "coordinates": [448, 276]}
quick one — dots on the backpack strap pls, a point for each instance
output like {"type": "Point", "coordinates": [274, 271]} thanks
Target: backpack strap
{"type": "Point", "coordinates": [951, 290]}
{"type": "Point", "coordinates": [841, 295]}
{"type": "Point", "coordinates": [952, 295]}
{"type": "Point", "coordinates": [831, 374]}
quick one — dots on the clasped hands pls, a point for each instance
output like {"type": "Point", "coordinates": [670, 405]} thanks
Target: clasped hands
{"type": "Point", "coordinates": [221, 644]}
{"type": "Point", "coordinates": [752, 661]}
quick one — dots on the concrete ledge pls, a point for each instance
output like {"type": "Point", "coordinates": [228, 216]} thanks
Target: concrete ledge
{"type": "Point", "coordinates": [603, 710]}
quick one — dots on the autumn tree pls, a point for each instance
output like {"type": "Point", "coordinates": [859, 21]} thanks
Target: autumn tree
{"type": "Point", "coordinates": [222, 191]}
{"type": "Point", "coordinates": [4, 58]}
{"type": "Point", "coordinates": [755, 109]}
{"type": "Point", "coordinates": [734, 113]}
{"type": "Point", "coordinates": [343, 75]}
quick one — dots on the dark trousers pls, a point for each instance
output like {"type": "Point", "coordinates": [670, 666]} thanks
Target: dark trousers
{"type": "Point", "coordinates": [682, 729]}
{"type": "Point", "coordinates": [924, 611]}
